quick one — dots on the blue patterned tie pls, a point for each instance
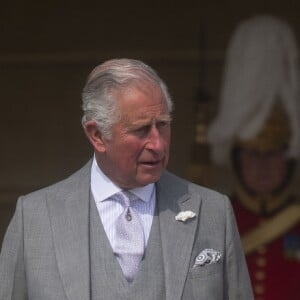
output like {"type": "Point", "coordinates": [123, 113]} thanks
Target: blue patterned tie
{"type": "Point", "coordinates": [130, 245]}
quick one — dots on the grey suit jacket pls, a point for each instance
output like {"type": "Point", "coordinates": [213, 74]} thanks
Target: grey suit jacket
{"type": "Point", "coordinates": [45, 252]}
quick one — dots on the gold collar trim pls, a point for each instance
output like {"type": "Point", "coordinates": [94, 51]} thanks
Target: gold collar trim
{"type": "Point", "coordinates": [263, 205]}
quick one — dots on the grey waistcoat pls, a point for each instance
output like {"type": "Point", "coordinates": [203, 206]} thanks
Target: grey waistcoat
{"type": "Point", "coordinates": [107, 279]}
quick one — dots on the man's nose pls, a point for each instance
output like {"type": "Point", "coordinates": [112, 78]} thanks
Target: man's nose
{"type": "Point", "coordinates": [154, 139]}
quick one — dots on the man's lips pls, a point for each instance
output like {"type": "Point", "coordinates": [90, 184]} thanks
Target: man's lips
{"type": "Point", "coordinates": [151, 163]}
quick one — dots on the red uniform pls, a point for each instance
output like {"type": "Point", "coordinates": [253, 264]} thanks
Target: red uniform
{"type": "Point", "coordinates": [274, 268]}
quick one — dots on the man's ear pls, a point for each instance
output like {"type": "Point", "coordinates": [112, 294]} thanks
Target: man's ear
{"type": "Point", "coordinates": [94, 135]}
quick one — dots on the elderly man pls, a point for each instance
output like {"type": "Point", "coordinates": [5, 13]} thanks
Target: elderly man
{"type": "Point", "coordinates": [122, 227]}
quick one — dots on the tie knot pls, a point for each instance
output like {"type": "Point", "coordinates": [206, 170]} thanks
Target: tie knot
{"type": "Point", "coordinates": [126, 197]}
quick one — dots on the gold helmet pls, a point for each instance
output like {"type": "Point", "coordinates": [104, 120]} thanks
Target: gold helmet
{"type": "Point", "coordinates": [275, 133]}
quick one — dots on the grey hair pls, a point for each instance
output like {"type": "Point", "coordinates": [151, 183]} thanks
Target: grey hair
{"type": "Point", "coordinates": [98, 96]}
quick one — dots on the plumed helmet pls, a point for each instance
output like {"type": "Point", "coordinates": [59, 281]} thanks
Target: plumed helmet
{"type": "Point", "coordinates": [260, 89]}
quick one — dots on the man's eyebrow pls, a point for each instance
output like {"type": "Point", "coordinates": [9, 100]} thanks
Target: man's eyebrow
{"type": "Point", "coordinates": [163, 118]}
{"type": "Point", "coordinates": [141, 123]}
{"type": "Point", "coordinates": [166, 117]}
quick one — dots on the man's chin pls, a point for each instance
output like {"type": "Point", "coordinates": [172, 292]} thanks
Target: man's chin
{"type": "Point", "coordinates": [149, 178]}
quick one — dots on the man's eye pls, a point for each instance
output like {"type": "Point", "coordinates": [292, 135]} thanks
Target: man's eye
{"type": "Point", "coordinates": [142, 130]}
{"type": "Point", "coordinates": [163, 124]}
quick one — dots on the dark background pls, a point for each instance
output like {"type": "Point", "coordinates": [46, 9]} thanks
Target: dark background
{"type": "Point", "coordinates": [47, 49]}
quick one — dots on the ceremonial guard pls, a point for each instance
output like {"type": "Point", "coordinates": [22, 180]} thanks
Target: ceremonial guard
{"type": "Point", "coordinates": [256, 130]}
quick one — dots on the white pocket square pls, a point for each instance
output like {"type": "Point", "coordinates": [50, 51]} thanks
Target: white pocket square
{"type": "Point", "coordinates": [207, 257]}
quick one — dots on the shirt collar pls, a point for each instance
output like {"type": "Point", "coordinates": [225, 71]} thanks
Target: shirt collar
{"type": "Point", "coordinates": [103, 188]}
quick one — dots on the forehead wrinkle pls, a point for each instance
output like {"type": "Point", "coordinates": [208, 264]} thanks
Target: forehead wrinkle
{"type": "Point", "coordinates": [148, 112]}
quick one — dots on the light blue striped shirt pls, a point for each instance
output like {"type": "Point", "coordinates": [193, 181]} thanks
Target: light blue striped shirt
{"type": "Point", "coordinates": [109, 210]}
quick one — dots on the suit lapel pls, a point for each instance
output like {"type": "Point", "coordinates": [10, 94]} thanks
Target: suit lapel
{"type": "Point", "coordinates": [177, 237]}
{"type": "Point", "coordinates": [69, 215]}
